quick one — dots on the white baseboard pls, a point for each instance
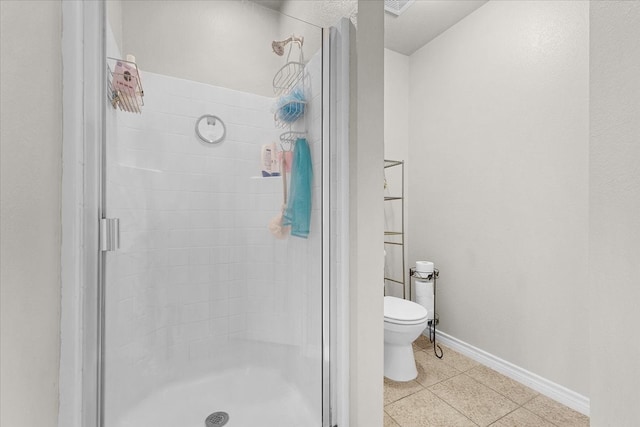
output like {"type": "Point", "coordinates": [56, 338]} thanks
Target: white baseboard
{"type": "Point", "coordinates": [543, 386]}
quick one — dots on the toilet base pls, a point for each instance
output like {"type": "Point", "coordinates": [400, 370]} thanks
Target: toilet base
{"type": "Point", "coordinates": [399, 362]}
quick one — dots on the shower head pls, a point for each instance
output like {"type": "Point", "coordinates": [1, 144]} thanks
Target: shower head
{"type": "Point", "coordinates": [278, 46]}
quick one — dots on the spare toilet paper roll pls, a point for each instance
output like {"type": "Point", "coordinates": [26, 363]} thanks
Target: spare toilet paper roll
{"type": "Point", "coordinates": [424, 266]}
{"type": "Point", "coordinates": [424, 296]}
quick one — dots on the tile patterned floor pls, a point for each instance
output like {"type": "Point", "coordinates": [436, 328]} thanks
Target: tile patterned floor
{"type": "Point", "coordinates": [457, 391]}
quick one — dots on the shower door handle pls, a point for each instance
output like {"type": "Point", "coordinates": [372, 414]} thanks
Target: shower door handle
{"type": "Point", "coordinates": [109, 234]}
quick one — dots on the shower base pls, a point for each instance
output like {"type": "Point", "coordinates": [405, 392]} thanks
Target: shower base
{"type": "Point", "coordinates": [251, 396]}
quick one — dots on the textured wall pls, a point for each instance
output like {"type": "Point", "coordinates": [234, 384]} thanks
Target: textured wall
{"type": "Point", "coordinates": [366, 152]}
{"type": "Point", "coordinates": [499, 198]}
{"type": "Point", "coordinates": [31, 150]}
{"type": "Point", "coordinates": [614, 224]}
{"type": "Point", "coordinates": [324, 13]}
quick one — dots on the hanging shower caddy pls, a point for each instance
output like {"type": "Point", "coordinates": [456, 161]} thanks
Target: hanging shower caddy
{"type": "Point", "coordinates": [124, 87]}
{"type": "Point", "coordinates": [432, 323]}
{"type": "Point", "coordinates": [289, 85]}
{"type": "Point", "coordinates": [292, 71]}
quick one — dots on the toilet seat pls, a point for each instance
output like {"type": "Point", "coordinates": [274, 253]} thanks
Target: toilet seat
{"type": "Point", "coordinates": [403, 312]}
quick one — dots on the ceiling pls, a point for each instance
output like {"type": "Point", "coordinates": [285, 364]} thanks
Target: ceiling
{"type": "Point", "coordinates": [322, 13]}
{"type": "Point", "coordinates": [423, 21]}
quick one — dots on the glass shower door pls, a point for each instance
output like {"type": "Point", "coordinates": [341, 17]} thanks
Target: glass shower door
{"type": "Point", "coordinates": [210, 314]}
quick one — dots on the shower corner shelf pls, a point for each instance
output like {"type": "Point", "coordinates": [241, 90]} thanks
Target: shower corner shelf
{"type": "Point", "coordinates": [124, 87]}
{"type": "Point", "coordinates": [265, 177]}
{"type": "Point", "coordinates": [288, 77]}
{"type": "Point", "coordinates": [289, 112]}
{"type": "Point", "coordinates": [390, 235]}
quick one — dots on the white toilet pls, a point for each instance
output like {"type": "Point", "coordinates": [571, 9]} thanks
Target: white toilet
{"type": "Point", "coordinates": [404, 321]}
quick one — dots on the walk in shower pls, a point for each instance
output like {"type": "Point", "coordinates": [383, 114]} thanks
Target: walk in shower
{"type": "Point", "coordinates": [207, 316]}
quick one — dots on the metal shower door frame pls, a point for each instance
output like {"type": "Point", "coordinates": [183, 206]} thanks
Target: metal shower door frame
{"type": "Point", "coordinates": [328, 307]}
{"type": "Point", "coordinates": [94, 210]}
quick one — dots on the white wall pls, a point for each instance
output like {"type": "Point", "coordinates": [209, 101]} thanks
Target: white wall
{"type": "Point", "coordinates": [366, 152]}
{"type": "Point", "coordinates": [223, 43]}
{"type": "Point", "coordinates": [396, 147]}
{"type": "Point", "coordinates": [114, 19]}
{"type": "Point", "coordinates": [613, 208]}
{"type": "Point", "coordinates": [498, 111]}
{"type": "Point", "coordinates": [396, 111]}
{"type": "Point", "coordinates": [31, 146]}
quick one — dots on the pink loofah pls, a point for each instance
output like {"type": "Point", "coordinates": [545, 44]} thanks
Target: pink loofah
{"type": "Point", "coordinates": [277, 229]}
{"type": "Point", "coordinates": [275, 225]}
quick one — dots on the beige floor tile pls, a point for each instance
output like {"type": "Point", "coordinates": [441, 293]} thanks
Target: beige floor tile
{"type": "Point", "coordinates": [521, 418]}
{"type": "Point", "coordinates": [432, 370]}
{"type": "Point", "coordinates": [424, 409]}
{"type": "Point", "coordinates": [515, 391]}
{"type": "Point", "coordinates": [473, 399]}
{"type": "Point", "coordinates": [557, 413]}
{"type": "Point", "coordinates": [388, 421]}
{"type": "Point", "coordinates": [422, 343]}
{"type": "Point", "coordinates": [394, 390]}
{"type": "Point", "coordinates": [457, 360]}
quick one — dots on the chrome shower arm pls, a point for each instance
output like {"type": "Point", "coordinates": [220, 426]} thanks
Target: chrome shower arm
{"type": "Point", "coordinates": [278, 46]}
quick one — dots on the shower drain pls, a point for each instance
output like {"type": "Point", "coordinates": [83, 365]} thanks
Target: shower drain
{"type": "Point", "coordinates": [217, 419]}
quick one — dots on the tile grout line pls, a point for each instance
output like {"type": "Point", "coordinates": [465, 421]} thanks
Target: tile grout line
{"type": "Point", "coordinates": [447, 403]}
{"type": "Point", "coordinates": [482, 384]}
{"type": "Point", "coordinates": [435, 395]}
{"type": "Point", "coordinates": [410, 394]}
{"type": "Point", "coordinates": [453, 407]}
{"type": "Point", "coordinates": [541, 416]}
{"type": "Point", "coordinates": [442, 380]}
{"type": "Point", "coordinates": [505, 415]}
{"type": "Point", "coordinates": [451, 365]}
{"type": "Point", "coordinates": [394, 420]}
{"type": "Point", "coordinates": [450, 405]}
{"type": "Point", "coordinates": [502, 417]}
{"type": "Point", "coordinates": [499, 392]}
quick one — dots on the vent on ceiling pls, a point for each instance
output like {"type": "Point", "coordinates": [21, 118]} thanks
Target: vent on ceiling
{"type": "Point", "coordinates": [397, 7]}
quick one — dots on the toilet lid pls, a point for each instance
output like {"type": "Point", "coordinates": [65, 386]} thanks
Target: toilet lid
{"type": "Point", "coordinates": [403, 310]}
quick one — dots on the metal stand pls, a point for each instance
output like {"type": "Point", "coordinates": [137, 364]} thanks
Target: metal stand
{"type": "Point", "coordinates": [437, 350]}
{"type": "Point", "coordinates": [396, 237]}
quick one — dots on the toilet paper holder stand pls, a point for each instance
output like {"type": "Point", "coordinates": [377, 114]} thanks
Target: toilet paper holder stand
{"type": "Point", "coordinates": [431, 325]}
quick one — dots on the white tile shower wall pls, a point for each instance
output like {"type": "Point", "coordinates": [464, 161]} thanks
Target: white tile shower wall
{"type": "Point", "coordinates": [285, 306]}
{"type": "Point", "coordinates": [198, 269]}
{"type": "Point", "coordinates": [175, 287]}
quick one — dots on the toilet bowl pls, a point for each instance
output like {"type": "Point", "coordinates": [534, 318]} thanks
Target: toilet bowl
{"type": "Point", "coordinates": [404, 321]}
